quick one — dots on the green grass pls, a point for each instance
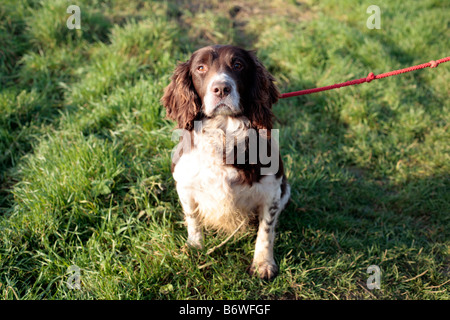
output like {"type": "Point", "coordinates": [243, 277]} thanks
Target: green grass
{"type": "Point", "coordinates": [85, 151]}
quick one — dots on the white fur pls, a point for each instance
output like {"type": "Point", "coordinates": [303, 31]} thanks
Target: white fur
{"type": "Point", "coordinates": [211, 196]}
{"type": "Point", "coordinates": [204, 180]}
{"type": "Point", "coordinates": [231, 100]}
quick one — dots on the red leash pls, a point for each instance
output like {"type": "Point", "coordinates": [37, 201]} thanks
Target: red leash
{"type": "Point", "coordinates": [370, 77]}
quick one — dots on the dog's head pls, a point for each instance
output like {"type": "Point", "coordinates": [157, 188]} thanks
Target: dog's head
{"type": "Point", "coordinates": [221, 80]}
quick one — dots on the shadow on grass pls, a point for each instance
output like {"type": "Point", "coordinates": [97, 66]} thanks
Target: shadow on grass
{"type": "Point", "coordinates": [339, 211]}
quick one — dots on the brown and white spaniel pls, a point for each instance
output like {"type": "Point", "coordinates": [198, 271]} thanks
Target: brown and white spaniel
{"type": "Point", "coordinates": [227, 166]}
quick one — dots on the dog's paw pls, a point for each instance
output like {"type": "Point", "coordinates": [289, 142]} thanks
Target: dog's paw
{"type": "Point", "coordinates": [194, 244]}
{"type": "Point", "coordinates": [265, 270]}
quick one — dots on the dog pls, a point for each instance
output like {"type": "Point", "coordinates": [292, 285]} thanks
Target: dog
{"type": "Point", "coordinates": [227, 167]}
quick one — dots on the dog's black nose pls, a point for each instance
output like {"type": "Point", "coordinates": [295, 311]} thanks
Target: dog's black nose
{"type": "Point", "coordinates": [221, 88]}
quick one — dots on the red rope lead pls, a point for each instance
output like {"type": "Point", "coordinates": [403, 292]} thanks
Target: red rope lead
{"type": "Point", "coordinates": [370, 77]}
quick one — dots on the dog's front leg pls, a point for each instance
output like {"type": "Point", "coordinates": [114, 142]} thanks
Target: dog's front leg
{"type": "Point", "coordinates": [263, 262]}
{"type": "Point", "coordinates": [195, 232]}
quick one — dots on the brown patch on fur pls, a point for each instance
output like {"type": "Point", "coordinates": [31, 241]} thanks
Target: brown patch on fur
{"type": "Point", "coordinates": [263, 94]}
{"type": "Point", "coordinates": [180, 98]}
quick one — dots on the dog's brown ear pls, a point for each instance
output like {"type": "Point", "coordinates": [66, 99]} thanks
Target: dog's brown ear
{"type": "Point", "coordinates": [180, 99]}
{"type": "Point", "coordinates": [264, 94]}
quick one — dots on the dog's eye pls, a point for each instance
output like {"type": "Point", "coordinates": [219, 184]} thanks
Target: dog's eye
{"type": "Point", "coordinates": [238, 66]}
{"type": "Point", "coordinates": [201, 68]}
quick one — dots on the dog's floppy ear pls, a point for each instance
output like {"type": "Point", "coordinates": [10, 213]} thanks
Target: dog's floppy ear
{"type": "Point", "coordinates": [263, 95]}
{"type": "Point", "coordinates": [180, 99]}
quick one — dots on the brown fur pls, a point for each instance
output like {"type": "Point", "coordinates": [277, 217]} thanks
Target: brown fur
{"type": "Point", "coordinates": [184, 105]}
{"type": "Point", "coordinates": [180, 98]}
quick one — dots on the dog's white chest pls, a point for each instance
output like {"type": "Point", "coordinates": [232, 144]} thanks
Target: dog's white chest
{"type": "Point", "coordinates": [214, 187]}
{"type": "Point", "coordinates": [203, 167]}
{"type": "Point", "coordinates": [204, 173]}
